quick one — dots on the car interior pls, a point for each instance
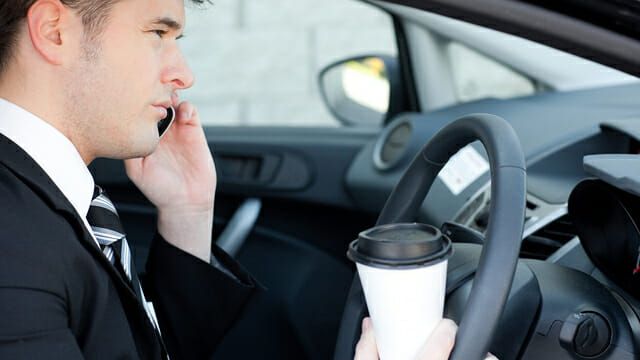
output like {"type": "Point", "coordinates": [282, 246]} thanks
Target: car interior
{"type": "Point", "coordinates": [546, 260]}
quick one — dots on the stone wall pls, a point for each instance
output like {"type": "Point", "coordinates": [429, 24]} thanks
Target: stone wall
{"type": "Point", "coordinates": [256, 61]}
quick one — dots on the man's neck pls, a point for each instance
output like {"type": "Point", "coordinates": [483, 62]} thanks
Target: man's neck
{"type": "Point", "coordinates": [39, 104]}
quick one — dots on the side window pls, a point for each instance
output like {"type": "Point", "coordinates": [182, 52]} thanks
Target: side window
{"type": "Point", "coordinates": [477, 76]}
{"type": "Point", "coordinates": [256, 62]}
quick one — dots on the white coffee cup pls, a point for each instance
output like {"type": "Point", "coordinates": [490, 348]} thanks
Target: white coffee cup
{"type": "Point", "coordinates": [403, 271]}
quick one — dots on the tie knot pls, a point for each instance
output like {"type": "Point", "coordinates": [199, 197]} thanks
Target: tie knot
{"type": "Point", "coordinates": [103, 218]}
{"type": "Point", "coordinates": [101, 200]}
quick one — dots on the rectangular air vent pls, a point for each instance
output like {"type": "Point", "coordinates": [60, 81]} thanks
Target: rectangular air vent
{"type": "Point", "coordinates": [547, 240]}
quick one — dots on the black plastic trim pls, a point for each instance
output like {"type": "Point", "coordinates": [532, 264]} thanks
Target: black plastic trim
{"type": "Point", "coordinates": [603, 45]}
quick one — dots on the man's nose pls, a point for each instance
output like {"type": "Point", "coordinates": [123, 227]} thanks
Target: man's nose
{"type": "Point", "coordinates": [179, 73]}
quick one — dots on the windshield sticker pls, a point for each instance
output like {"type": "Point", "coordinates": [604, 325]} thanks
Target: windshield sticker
{"type": "Point", "coordinates": [463, 169]}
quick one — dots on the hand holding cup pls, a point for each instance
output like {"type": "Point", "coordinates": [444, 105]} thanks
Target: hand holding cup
{"type": "Point", "coordinates": [437, 347]}
{"type": "Point", "coordinates": [403, 270]}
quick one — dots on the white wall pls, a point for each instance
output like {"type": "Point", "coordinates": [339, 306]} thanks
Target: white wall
{"type": "Point", "coordinates": [256, 61]}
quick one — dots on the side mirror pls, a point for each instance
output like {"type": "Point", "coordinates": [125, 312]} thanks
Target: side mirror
{"type": "Point", "coordinates": [364, 90]}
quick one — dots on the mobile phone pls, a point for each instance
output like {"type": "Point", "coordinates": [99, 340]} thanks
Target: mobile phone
{"type": "Point", "coordinates": [164, 124]}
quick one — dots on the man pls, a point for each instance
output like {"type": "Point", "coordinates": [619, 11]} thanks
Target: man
{"type": "Point", "coordinates": [81, 79]}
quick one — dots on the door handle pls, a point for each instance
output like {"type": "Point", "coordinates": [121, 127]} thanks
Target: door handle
{"type": "Point", "coordinates": [239, 226]}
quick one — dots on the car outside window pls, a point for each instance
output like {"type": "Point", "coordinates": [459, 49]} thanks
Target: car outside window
{"type": "Point", "coordinates": [256, 62]}
{"type": "Point", "coordinates": [476, 76]}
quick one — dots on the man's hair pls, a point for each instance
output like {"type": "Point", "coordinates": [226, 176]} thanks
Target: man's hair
{"type": "Point", "coordinates": [13, 12]}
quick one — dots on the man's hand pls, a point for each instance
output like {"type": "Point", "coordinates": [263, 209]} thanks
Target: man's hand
{"type": "Point", "coordinates": [438, 346]}
{"type": "Point", "coordinates": [179, 178]}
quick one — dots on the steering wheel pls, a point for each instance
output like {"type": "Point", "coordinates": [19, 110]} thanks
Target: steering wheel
{"type": "Point", "coordinates": [499, 257]}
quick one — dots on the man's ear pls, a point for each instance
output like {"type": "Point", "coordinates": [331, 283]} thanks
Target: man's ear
{"type": "Point", "coordinates": [47, 19]}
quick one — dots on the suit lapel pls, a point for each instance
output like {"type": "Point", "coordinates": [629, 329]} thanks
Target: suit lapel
{"type": "Point", "coordinates": [25, 168]}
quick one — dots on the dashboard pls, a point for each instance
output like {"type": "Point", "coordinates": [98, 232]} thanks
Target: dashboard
{"type": "Point", "coordinates": [549, 301]}
{"type": "Point", "coordinates": [556, 131]}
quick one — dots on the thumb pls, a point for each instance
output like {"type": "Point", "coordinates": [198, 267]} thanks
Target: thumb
{"type": "Point", "coordinates": [441, 341]}
{"type": "Point", "coordinates": [366, 349]}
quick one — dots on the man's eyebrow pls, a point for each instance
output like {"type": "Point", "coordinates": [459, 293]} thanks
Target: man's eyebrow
{"type": "Point", "coordinates": [169, 22]}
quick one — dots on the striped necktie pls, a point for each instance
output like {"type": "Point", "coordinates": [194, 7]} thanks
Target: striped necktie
{"type": "Point", "coordinates": [105, 224]}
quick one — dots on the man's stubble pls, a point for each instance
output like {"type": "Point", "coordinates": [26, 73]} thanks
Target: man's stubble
{"type": "Point", "coordinates": [94, 121]}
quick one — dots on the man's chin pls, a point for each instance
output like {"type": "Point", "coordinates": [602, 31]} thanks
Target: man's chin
{"type": "Point", "coordinates": [142, 149]}
{"type": "Point", "coordinates": [145, 153]}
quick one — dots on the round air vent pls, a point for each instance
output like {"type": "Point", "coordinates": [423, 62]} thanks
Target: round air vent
{"type": "Point", "coordinates": [392, 144]}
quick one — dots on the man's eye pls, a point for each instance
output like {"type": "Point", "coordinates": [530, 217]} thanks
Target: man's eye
{"type": "Point", "coordinates": [160, 33]}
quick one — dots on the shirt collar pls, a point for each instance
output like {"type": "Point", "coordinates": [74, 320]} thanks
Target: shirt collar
{"type": "Point", "coordinates": [50, 149]}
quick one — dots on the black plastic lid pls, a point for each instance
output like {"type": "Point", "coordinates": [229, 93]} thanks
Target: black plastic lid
{"type": "Point", "coordinates": [400, 245]}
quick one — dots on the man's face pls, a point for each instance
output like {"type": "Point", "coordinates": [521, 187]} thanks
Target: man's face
{"type": "Point", "coordinates": [119, 87]}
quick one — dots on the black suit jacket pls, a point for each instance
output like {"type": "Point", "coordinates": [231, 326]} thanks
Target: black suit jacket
{"type": "Point", "coordinates": [60, 298]}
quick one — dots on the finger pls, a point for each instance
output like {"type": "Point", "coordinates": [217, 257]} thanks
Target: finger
{"type": "Point", "coordinates": [440, 343]}
{"type": "Point", "coordinates": [366, 349]}
{"type": "Point", "coordinates": [490, 356]}
{"type": "Point", "coordinates": [186, 113]}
